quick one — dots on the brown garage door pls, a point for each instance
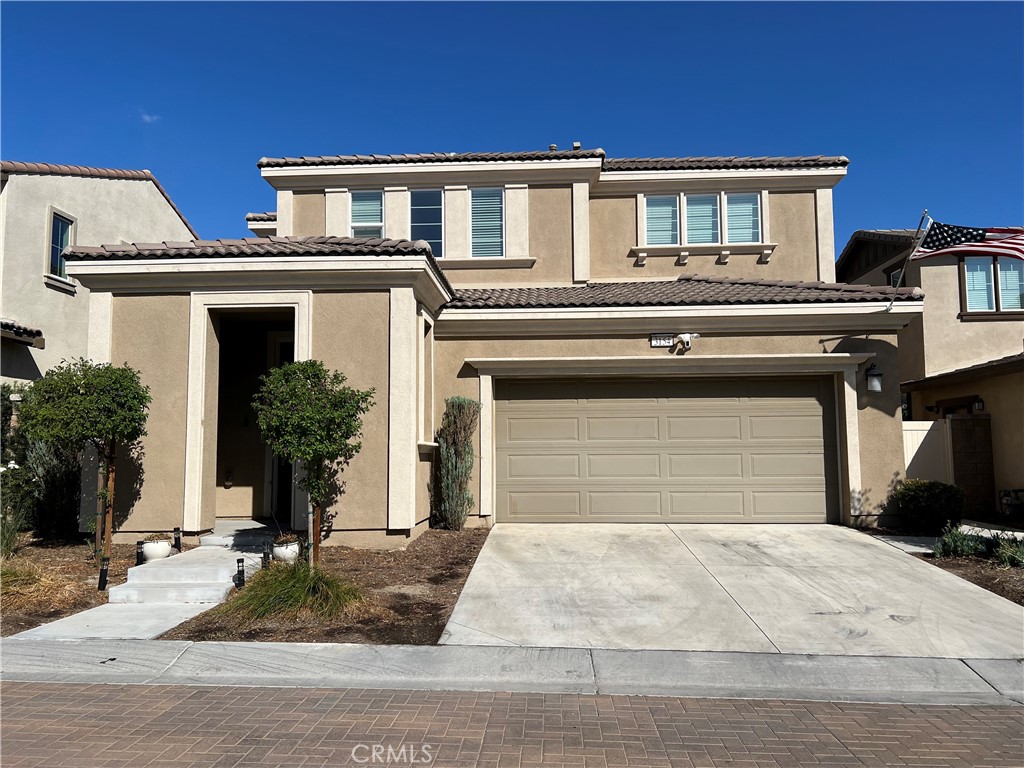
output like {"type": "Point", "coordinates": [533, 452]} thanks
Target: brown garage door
{"type": "Point", "coordinates": [684, 450]}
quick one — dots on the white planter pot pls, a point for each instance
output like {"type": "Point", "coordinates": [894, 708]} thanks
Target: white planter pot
{"type": "Point", "coordinates": [155, 550]}
{"type": "Point", "coordinates": [286, 553]}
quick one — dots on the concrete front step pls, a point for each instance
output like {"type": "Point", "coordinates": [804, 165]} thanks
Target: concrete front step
{"type": "Point", "coordinates": [199, 572]}
{"type": "Point", "coordinates": [170, 592]}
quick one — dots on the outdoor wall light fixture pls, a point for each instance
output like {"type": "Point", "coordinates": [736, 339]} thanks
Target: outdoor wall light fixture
{"type": "Point", "coordinates": [979, 404]}
{"type": "Point", "coordinates": [229, 479]}
{"type": "Point", "coordinates": [874, 377]}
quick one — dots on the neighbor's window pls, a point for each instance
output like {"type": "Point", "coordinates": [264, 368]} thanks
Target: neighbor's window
{"type": "Point", "coordinates": [427, 214]}
{"type": "Point", "coordinates": [487, 222]}
{"type": "Point", "coordinates": [703, 219]}
{"type": "Point", "coordinates": [367, 214]}
{"type": "Point", "coordinates": [60, 238]}
{"type": "Point", "coordinates": [993, 284]}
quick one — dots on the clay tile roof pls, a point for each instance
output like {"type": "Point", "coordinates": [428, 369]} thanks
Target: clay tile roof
{"type": "Point", "coordinates": [259, 247]}
{"type": "Point", "coordinates": [430, 157]}
{"type": "Point", "coordinates": [265, 216]}
{"type": "Point", "coordinates": [688, 290]}
{"type": "Point", "coordinates": [722, 163]}
{"type": "Point", "coordinates": [12, 327]}
{"type": "Point", "coordinates": [49, 169]}
{"type": "Point", "coordinates": [998, 367]}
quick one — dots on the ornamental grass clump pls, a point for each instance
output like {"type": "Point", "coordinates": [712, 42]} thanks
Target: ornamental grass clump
{"type": "Point", "coordinates": [955, 542]}
{"type": "Point", "coordinates": [452, 501]}
{"type": "Point", "coordinates": [290, 591]}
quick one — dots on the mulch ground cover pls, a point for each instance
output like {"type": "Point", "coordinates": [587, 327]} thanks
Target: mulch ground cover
{"type": "Point", "coordinates": [48, 580]}
{"type": "Point", "coordinates": [1005, 582]}
{"type": "Point", "coordinates": [407, 596]}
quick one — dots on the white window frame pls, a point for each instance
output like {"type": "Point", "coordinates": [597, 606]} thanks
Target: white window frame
{"type": "Point", "coordinates": [504, 224]}
{"type": "Point", "coordinates": [383, 213]}
{"type": "Point", "coordinates": [723, 219]}
{"type": "Point", "coordinates": [997, 289]}
{"type": "Point", "coordinates": [51, 213]}
{"type": "Point", "coordinates": [440, 190]}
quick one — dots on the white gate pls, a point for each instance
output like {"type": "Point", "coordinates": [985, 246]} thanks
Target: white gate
{"type": "Point", "coordinates": [928, 450]}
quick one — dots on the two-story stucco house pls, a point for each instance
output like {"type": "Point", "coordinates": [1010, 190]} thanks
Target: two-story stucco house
{"type": "Point", "coordinates": [650, 339]}
{"type": "Point", "coordinates": [45, 208]}
{"type": "Point", "coordinates": [961, 363]}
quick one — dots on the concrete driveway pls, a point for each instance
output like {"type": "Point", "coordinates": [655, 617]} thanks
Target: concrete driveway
{"type": "Point", "coordinates": [815, 589]}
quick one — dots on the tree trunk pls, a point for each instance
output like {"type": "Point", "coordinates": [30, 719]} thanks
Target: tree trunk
{"type": "Point", "coordinates": [108, 521]}
{"type": "Point", "coordinates": [315, 533]}
{"type": "Point", "coordinates": [101, 505]}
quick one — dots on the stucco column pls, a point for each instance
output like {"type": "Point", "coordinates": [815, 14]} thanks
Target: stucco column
{"type": "Point", "coordinates": [456, 222]}
{"type": "Point", "coordinates": [486, 446]}
{"type": "Point", "coordinates": [580, 232]}
{"type": "Point", "coordinates": [284, 213]}
{"type": "Point", "coordinates": [338, 205]}
{"type": "Point", "coordinates": [402, 397]}
{"type": "Point", "coordinates": [826, 235]}
{"type": "Point", "coordinates": [397, 216]}
{"type": "Point", "coordinates": [517, 221]}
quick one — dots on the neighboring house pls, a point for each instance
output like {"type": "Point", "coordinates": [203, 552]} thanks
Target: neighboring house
{"type": "Point", "coordinates": [552, 287]}
{"type": "Point", "coordinates": [961, 363]}
{"type": "Point", "coordinates": [44, 209]}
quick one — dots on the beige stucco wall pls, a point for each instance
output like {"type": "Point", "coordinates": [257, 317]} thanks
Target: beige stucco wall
{"type": "Point", "coordinates": [150, 333]}
{"type": "Point", "coordinates": [104, 211]}
{"type": "Point", "coordinates": [791, 216]}
{"type": "Point", "coordinates": [1004, 401]}
{"type": "Point", "coordinates": [550, 238]}
{"type": "Point", "coordinates": [951, 343]}
{"type": "Point", "coordinates": [350, 334]}
{"type": "Point", "coordinates": [309, 214]}
{"type": "Point", "coordinates": [879, 423]}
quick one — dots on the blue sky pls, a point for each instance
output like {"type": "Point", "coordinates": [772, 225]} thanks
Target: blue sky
{"type": "Point", "coordinates": [927, 99]}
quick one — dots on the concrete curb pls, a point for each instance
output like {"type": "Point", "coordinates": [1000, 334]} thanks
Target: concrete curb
{"type": "Point", "coordinates": [517, 669]}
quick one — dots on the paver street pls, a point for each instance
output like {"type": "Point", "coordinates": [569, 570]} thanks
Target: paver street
{"type": "Point", "coordinates": [108, 726]}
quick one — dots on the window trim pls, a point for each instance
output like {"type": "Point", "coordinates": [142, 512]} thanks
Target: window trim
{"type": "Point", "coordinates": [722, 239]}
{"type": "Point", "coordinates": [440, 191]}
{"type": "Point", "coordinates": [383, 213]}
{"type": "Point", "coordinates": [504, 223]}
{"type": "Point", "coordinates": [984, 314]}
{"type": "Point", "coordinates": [53, 212]}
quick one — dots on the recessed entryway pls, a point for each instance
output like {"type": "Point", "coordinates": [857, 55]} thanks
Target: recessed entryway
{"type": "Point", "coordinates": [816, 589]}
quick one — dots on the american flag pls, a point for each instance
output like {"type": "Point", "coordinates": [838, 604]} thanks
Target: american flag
{"type": "Point", "coordinates": [946, 239]}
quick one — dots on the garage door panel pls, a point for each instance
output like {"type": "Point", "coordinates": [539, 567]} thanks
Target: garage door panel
{"type": "Point", "coordinates": [704, 428]}
{"type": "Point", "coordinates": [624, 504]}
{"type": "Point", "coordinates": [617, 466]}
{"type": "Point", "coordinates": [622, 428]}
{"type": "Point", "coordinates": [705, 465]}
{"type": "Point", "coordinates": [696, 505]}
{"type": "Point", "coordinates": [680, 450]}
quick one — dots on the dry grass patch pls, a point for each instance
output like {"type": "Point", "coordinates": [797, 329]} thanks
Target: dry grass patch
{"type": "Point", "coordinates": [26, 585]}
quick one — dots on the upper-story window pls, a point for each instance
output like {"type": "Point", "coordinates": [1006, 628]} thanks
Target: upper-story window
{"type": "Point", "coordinates": [367, 214]}
{"type": "Point", "coordinates": [992, 284]}
{"type": "Point", "coordinates": [60, 238]}
{"type": "Point", "coordinates": [697, 219]}
{"type": "Point", "coordinates": [427, 218]}
{"type": "Point", "coordinates": [487, 222]}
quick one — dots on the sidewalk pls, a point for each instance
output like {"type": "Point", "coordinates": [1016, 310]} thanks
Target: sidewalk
{"type": "Point", "coordinates": [517, 669]}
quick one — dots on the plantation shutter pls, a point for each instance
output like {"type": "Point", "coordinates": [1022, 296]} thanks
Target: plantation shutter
{"type": "Point", "coordinates": [487, 222]}
{"type": "Point", "coordinates": [702, 219]}
{"type": "Point", "coordinates": [367, 214]}
{"type": "Point", "coordinates": [744, 218]}
{"type": "Point", "coordinates": [1011, 283]}
{"type": "Point", "coordinates": [663, 220]}
{"type": "Point", "coordinates": [978, 273]}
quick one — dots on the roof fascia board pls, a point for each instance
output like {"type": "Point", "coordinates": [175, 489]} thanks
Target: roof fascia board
{"type": "Point", "coordinates": [800, 178]}
{"type": "Point", "coordinates": [760, 319]}
{"type": "Point", "coordinates": [680, 365]}
{"type": "Point", "coordinates": [319, 176]}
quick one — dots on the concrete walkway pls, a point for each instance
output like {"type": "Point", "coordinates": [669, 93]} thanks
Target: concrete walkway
{"type": "Point", "coordinates": [504, 669]}
{"type": "Point", "coordinates": [784, 589]}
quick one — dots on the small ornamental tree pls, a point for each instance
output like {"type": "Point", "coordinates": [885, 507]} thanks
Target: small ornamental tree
{"type": "Point", "coordinates": [450, 490]}
{"type": "Point", "coordinates": [81, 403]}
{"type": "Point", "coordinates": [306, 414]}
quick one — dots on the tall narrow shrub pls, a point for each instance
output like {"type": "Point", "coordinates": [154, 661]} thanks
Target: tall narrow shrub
{"type": "Point", "coordinates": [451, 496]}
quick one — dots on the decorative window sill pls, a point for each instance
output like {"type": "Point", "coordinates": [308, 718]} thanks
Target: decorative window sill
{"type": "Point", "coordinates": [722, 251]}
{"type": "Point", "coordinates": [61, 284]}
{"type": "Point", "coordinates": [972, 317]}
{"type": "Point", "coordinates": [426, 449]}
{"type": "Point", "coordinates": [487, 262]}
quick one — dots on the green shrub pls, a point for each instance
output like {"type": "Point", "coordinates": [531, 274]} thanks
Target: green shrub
{"type": "Point", "coordinates": [288, 590]}
{"type": "Point", "coordinates": [954, 542]}
{"type": "Point", "coordinates": [1009, 552]}
{"type": "Point", "coordinates": [926, 506]}
{"type": "Point", "coordinates": [449, 491]}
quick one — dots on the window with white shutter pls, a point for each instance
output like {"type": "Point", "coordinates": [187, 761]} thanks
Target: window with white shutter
{"type": "Point", "coordinates": [1011, 284]}
{"type": "Point", "coordinates": [367, 214]}
{"type": "Point", "coordinates": [662, 212]}
{"type": "Point", "coordinates": [702, 219]}
{"type": "Point", "coordinates": [487, 222]}
{"type": "Point", "coordinates": [743, 214]}
{"type": "Point", "coordinates": [978, 275]}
